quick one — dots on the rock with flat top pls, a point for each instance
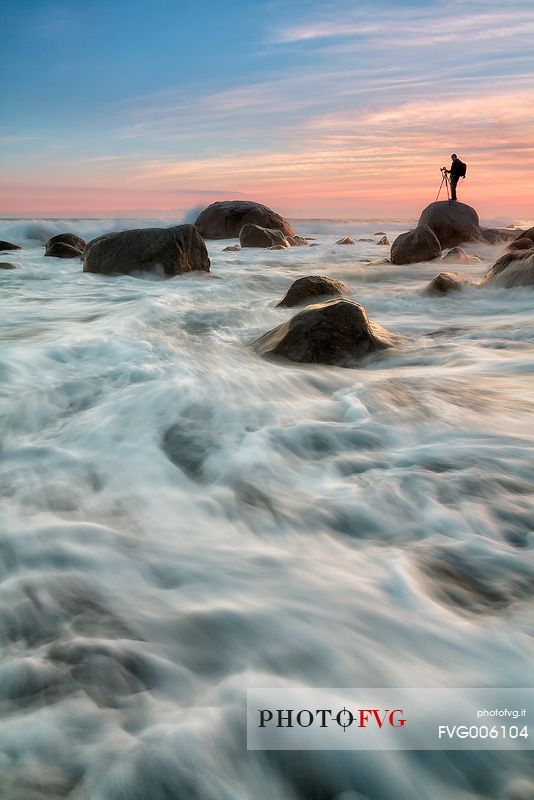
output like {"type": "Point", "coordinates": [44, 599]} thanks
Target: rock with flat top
{"type": "Point", "coordinates": [453, 223]}
{"type": "Point", "coordinates": [164, 251]}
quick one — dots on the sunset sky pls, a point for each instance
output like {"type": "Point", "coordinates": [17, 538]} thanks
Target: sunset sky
{"type": "Point", "coordinates": [317, 109]}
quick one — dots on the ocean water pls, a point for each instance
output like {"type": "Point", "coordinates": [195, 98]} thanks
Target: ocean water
{"type": "Point", "coordinates": [181, 520]}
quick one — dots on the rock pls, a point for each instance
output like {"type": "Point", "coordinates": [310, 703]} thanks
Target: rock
{"type": "Point", "coordinates": [444, 283]}
{"type": "Point", "coordinates": [62, 250]}
{"type": "Point", "coordinates": [224, 219]}
{"type": "Point", "coordinates": [379, 233]}
{"type": "Point", "coordinates": [232, 247]}
{"type": "Point", "coordinates": [256, 236]}
{"type": "Point", "coordinates": [529, 234]}
{"type": "Point", "coordinates": [452, 223]}
{"type": "Point", "coordinates": [384, 240]}
{"type": "Point", "coordinates": [420, 244]}
{"type": "Point", "coordinates": [314, 244]}
{"type": "Point", "coordinates": [168, 251]}
{"type": "Point", "coordinates": [312, 286]}
{"type": "Point", "coordinates": [497, 235]}
{"type": "Point", "coordinates": [277, 247]}
{"type": "Point", "coordinates": [346, 240]}
{"type": "Point", "coordinates": [10, 265]}
{"type": "Point", "coordinates": [521, 244]}
{"type": "Point", "coordinates": [510, 270]}
{"type": "Point", "coordinates": [366, 240]}
{"type": "Point", "coordinates": [336, 332]}
{"type": "Point", "coordinates": [9, 245]}
{"type": "Point", "coordinates": [459, 256]}
{"type": "Point", "coordinates": [297, 241]}
{"type": "Point", "coordinates": [66, 238]}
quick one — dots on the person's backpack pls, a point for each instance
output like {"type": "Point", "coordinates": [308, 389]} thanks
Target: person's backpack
{"type": "Point", "coordinates": [463, 169]}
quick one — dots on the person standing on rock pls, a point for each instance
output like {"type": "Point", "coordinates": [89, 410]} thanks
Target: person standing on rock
{"type": "Point", "coordinates": [458, 170]}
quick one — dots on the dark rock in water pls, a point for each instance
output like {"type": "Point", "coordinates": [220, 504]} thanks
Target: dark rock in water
{"type": "Point", "coordinates": [224, 219]}
{"type": "Point", "coordinates": [384, 240]}
{"type": "Point", "coordinates": [444, 283]}
{"type": "Point", "coordinates": [452, 223]}
{"type": "Point", "coordinates": [459, 256]}
{"type": "Point", "coordinates": [497, 235]}
{"type": "Point", "coordinates": [521, 244]}
{"type": "Point", "coordinates": [66, 238]}
{"type": "Point", "coordinates": [346, 240]}
{"type": "Point", "coordinates": [10, 265]}
{"type": "Point", "coordinates": [337, 332]}
{"type": "Point", "coordinates": [420, 244]}
{"type": "Point", "coordinates": [510, 270]}
{"type": "Point", "coordinates": [311, 287]}
{"type": "Point", "coordinates": [297, 241]}
{"type": "Point", "coordinates": [62, 250]}
{"type": "Point", "coordinates": [232, 247]}
{"type": "Point", "coordinates": [379, 233]}
{"type": "Point", "coordinates": [167, 251]}
{"type": "Point", "coordinates": [9, 245]}
{"type": "Point", "coordinates": [366, 240]}
{"type": "Point", "coordinates": [256, 236]}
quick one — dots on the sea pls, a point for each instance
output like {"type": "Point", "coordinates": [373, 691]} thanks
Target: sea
{"type": "Point", "coordinates": [181, 519]}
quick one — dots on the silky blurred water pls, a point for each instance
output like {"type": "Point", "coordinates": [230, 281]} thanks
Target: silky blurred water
{"type": "Point", "coordinates": [181, 520]}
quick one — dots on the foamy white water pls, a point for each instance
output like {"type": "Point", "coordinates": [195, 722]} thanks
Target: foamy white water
{"type": "Point", "coordinates": [181, 520]}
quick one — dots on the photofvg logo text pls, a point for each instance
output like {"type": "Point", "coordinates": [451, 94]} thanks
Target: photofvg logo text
{"type": "Point", "coordinates": [390, 719]}
{"type": "Point", "coordinates": [325, 717]}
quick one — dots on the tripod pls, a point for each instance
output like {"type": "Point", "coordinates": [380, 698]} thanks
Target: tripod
{"type": "Point", "coordinates": [444, 180]}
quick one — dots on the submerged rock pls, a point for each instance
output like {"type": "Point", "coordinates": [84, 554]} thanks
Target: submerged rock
{"type": "Point", "coordinates": [297, 241]}
{"type": "Point", "coordinates": [497, 235]}
{"type": "Point", "coordinates": [10, 265]}
{"type": "Point", "coordinates": [445, 282]}
{"type": "Point", "coordinates": [232, 247]}
{"type": "Point", "coordinates": [66, 238]}
{"type": "Point", "coordinates": [256, 236]}
{"type": "Point", "coordinates": [167, 251]}
{"type": "Point", "coordinates": [384, 240]}
{"type": "Point", "coordinates": [336, 332]}
{"type": "Point", "coordinates": [9, 245]}
{"type": "Point", "coordinates": [62, 250]}
{"type": "Point", "coordinates": [452, 223]}
{"type": "Point", "coordinates": [510, 270]}
{"type": "Point", "coordinates": [420, 244]}
{"type": "Point", "coordinates": [311, 286]}
{"type": "Point", "coordinates": [459, 256]}
{"type": "Point", "coordinates": [346, 240]}
{"type": "Point", "coordinates": [224, 219]}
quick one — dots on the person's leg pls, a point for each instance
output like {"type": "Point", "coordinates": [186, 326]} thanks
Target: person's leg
{"type": "Point", "coordinates": [454, 181]}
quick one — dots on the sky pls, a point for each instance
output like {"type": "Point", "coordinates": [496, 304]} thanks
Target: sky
{"type": "Point", "coordinates": [318, 109]}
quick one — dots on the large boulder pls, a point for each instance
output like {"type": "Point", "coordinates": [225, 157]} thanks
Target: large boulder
{"type": "Point", "coordinates": [303, 290]}
{"type": "Point", "coordinates": [62, 250]}
{"type": "Point", "coordinates": [224, 219]}
{"type": "Point", "coordinates": [9, 245]}
{"type": "Point", "coordinates": [336, 332]}
{"type": "Point", "coordinates": [444, 283]}
{"type": "Point", "coordinates": [510, 270]}
{"type": "Point", "coordinates": [497, 235]}
{"type": "Point", "coordinates": [256, 236]}
{"type": "Point", "coordinates": [453, 223]}
{"type": "Point", "coordinates": [166, 251]}
{"type": "Point", "coordinates": [65, 238]}
{"type": "Point", "coordinates": [529, 234]}
{"type": "Point", "coordinates": [521, 244]}
{"type": "Point", "coordinates": [421, 244]}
